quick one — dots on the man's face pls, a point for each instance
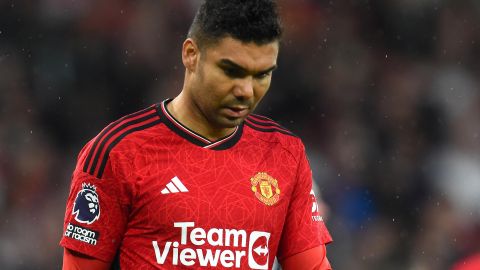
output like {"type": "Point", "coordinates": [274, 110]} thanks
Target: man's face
{"type": "Point", "coordinates": [230, 79]}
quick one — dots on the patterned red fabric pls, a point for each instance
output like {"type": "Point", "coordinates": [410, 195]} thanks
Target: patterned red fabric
{"type": "Point", "coordinates": [159, 196]}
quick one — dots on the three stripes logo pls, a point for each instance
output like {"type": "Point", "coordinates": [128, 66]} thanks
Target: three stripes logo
{"type": "Point", "coordinates": [174, 186]}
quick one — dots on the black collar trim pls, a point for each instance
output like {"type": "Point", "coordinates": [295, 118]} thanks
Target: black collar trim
{"type": "Point", "coordinates": [195, 138]}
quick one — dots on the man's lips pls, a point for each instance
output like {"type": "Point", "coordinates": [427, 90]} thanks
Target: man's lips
{"type": "Point", "coordinates": [237, 111]}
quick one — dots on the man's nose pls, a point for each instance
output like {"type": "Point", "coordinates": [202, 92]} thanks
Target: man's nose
{"type": "Point", "coordinates": [244, 88]}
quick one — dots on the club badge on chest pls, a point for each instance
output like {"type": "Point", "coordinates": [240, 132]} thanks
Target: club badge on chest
{"type": "Point", "coordinates": [265, 188]}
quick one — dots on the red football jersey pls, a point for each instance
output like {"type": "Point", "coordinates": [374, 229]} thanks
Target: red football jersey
{"type": "Point", "coordinates": [148, 193]}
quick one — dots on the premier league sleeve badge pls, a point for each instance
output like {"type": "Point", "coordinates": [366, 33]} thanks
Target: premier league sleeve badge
{"type": "Point", "coordinates": [86, 208]}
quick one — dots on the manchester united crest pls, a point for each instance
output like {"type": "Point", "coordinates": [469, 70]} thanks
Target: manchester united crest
{"type": "Point", "coordinates": [265, 188]}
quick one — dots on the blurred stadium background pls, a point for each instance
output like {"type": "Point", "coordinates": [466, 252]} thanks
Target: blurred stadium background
{"type": "Point", "coordinates": [385, 95]}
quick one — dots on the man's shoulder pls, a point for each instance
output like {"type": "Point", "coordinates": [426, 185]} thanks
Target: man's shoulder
{"type": "Point", "coordinates": [130, 130]}
{"type": "Point", "coordinates": [121, 137]}
{"type": "Point", "coordinates": [267, 129]}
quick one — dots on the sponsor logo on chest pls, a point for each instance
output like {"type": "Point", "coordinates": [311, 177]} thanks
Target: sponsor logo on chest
{"type": "Point", "coordinates": [215, 247]}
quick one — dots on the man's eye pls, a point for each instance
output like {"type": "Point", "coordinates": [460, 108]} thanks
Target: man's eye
{"type": "Point", "coordinates": [233, 73]}
{"type": "Point", "coordinates": [263, 75]}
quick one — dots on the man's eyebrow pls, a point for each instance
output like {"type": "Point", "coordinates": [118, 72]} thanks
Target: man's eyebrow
{"type": "Point", "coordinates": [231, 64]}
{"type": "Point", "coordinates": [267, 70]}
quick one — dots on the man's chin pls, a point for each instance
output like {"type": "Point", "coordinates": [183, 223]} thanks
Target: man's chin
{"type": "Point", "coordinates": [231, 122]}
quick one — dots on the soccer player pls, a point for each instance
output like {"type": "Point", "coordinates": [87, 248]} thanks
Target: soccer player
{"type": "Point", "coordinates": [198, 181]}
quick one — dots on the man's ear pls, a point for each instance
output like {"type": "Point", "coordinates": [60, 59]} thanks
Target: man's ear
{"type": "Point", "coordinates": [190, 54]}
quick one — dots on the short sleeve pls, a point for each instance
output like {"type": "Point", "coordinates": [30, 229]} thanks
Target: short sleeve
{"type": "Point", "coordinates": [96, 212]}
{"type": "Point", "coordinates": [304, 226]}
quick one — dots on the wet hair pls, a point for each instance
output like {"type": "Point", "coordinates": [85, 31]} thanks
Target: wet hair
{"type": "Point", "coordinates": [245, 20]}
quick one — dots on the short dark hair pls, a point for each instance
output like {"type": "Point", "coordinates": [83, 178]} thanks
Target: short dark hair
{"type": "Point", "coordinates": [245, 20]}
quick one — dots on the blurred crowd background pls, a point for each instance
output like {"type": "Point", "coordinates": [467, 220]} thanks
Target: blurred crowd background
{"type": "Point", "coordinates": [384, 93]}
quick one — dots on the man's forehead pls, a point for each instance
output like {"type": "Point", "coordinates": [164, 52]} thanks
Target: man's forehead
{"type": "Point", "coordinates": [246, 54]}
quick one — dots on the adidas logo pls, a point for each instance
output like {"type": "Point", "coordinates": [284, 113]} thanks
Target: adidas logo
{"type": "Point", "coordinates": [174, 186]}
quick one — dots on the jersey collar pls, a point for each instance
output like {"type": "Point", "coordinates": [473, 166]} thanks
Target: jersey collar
{"type": "Point", "coordinates": [195, 138]}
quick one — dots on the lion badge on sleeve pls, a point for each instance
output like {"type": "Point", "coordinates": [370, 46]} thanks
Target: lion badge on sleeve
{"type": "Point", "coordinates": [87, 205]}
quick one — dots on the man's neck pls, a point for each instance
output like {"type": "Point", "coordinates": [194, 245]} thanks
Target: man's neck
{"type": "Point", "coordinates": [187, 115]}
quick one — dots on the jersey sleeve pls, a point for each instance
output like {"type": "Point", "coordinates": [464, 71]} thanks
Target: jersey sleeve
{"type": "Point", "coordinates": [312, 259]}
{"type": "Point", "coordinates": [304, 227]}
{"type": "Point", "coordinates": [97, 210]}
